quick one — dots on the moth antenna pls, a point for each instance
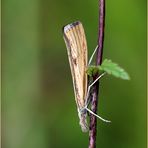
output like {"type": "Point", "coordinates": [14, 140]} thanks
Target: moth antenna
{"type": "Point", "coordinates": [97, 115]}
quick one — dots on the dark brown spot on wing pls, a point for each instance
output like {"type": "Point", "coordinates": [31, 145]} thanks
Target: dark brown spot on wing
{"type": "Point", "coordinates": [74, 61]}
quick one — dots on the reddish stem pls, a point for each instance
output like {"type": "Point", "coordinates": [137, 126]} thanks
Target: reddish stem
{"type": "Point", "coordinates": [95, 94]}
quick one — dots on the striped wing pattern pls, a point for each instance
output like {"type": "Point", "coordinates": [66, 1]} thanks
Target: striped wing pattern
{"type": "Point", "coordinates": [75, 40]}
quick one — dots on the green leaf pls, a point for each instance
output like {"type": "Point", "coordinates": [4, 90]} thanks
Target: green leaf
{"type": "Point", "coordinates": [112, 68]}
{"type": "Point", "coordinates": [92, 70]}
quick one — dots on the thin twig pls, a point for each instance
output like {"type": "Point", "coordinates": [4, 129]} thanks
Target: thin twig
{"type": "Point", "coordinates": [94, 103]}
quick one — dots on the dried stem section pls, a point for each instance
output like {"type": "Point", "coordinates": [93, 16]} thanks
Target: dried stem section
{"type": "Point", "coordinates": [95, 94]}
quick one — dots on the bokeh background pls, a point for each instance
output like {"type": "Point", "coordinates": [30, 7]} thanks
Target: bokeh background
{"type": "Point", "coordinates": [38, 106]}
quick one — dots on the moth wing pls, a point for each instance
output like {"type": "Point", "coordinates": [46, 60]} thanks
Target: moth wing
{"type": "Point", "coordinates": [75, 40]}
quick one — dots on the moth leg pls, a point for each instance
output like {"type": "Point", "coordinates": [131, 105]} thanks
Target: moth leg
{"type": "Point", "coordinates": [88, 99]}
{"type": "Point", "coordinates": [97, 115]}
{"type": "Point", "coordinates": [89, 88]}
{"type": "Point", "coordinates": [90, 60]}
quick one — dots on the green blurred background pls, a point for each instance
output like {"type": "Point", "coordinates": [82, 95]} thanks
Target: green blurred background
{"type": "Point", "coordinates": [38, 106]}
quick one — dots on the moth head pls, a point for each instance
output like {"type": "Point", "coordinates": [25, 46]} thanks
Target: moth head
{"type": "Point", "coordinates": [83, 120]}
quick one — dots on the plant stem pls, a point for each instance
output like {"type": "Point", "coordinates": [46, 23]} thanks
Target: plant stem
{"type": "Point", "coordinates": [95, 93]}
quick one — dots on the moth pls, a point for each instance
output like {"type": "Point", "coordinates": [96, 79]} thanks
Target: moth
{"type": "Point", "coordinates": [76, 44]}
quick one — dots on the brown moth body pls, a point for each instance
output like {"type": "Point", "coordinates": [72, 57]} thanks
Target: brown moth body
{"type": "Point", "coordinates": [75, 40]}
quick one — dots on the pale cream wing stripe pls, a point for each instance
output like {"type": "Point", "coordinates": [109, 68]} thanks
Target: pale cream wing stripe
{"type": "Point", "coordinates": [77, 53]}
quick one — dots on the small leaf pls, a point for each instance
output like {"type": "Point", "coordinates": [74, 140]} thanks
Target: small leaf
{"type": "Point", "coordinates": [112, 68]}
{"type": "Point", "coordinates": [92, 70]}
